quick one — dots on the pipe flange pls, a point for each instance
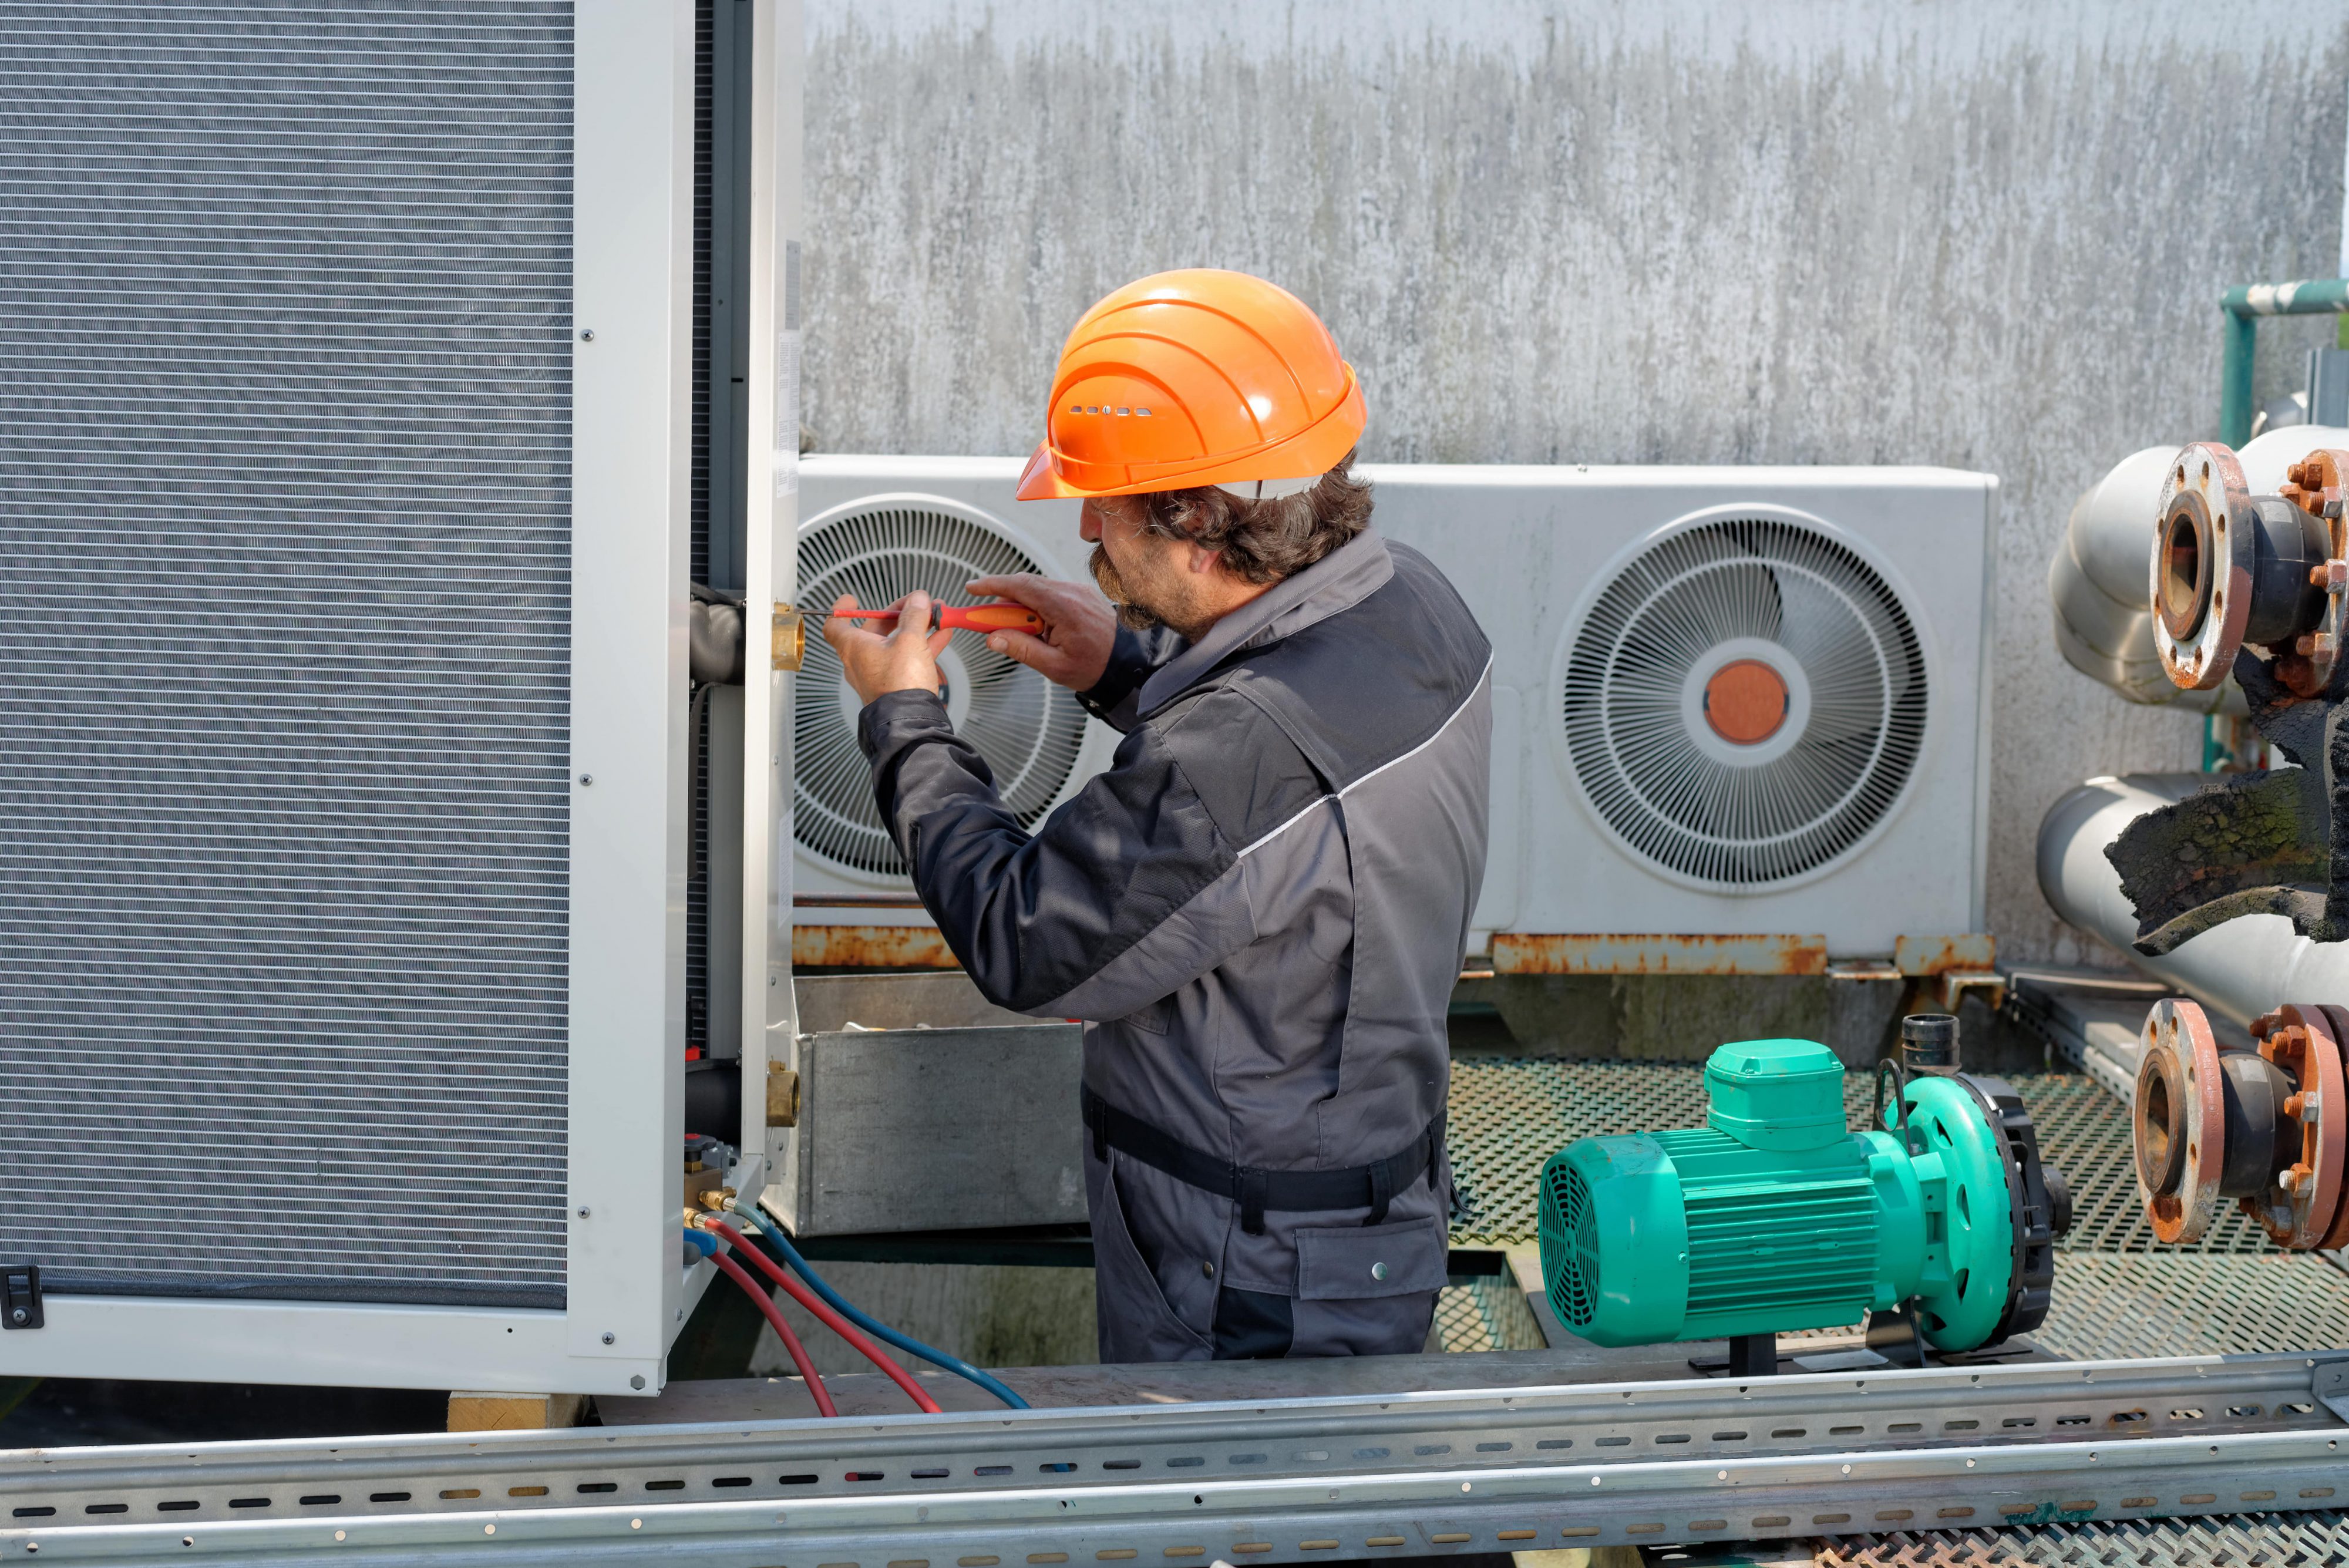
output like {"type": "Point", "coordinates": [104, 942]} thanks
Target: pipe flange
{"type": "Point", "coordinates": [2204, 551]}
{"type": "Point", "coordinates": [2179, 1105]}
{"type": "Point", "coordinates": [2297, 1210]}
{"type": "Point", "coordinates": [2337, 1235]}
{"type": "Point", "coordinates": [2314, 665]}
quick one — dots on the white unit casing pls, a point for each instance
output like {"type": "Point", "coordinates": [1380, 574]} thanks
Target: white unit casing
{"type": "Point", "coordinates": [1615, 598]}
{"type": "Point", "coordinates": [1621, 600]}
{"type": "Point", "coordinates": [878, 526]}
{"type": "Point", "coordinates": [374, 741]}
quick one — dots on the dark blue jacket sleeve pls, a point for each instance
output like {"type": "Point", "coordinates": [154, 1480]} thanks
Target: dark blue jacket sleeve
{"type": "Point", "coordinates": [1132, 661]}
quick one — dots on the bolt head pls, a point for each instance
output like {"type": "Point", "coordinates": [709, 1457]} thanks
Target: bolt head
{"type": "Point", "coordinates": [637, 1381]}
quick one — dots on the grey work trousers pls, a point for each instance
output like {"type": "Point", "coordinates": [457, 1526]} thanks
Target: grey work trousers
{"type": "Point", "coordinates": [1141, 1319]}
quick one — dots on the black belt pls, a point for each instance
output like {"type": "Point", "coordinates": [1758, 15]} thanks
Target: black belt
{"type": "Point", "coordinates": [1255, 1189]}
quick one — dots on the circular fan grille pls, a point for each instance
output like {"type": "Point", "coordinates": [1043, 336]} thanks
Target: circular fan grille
{"type": "Point", "coordinates": [1570, 1245]}
{"type": "Point", "coordinates": [1027, 729]}
{"type": "Point", "coordinates": [1670, 782]}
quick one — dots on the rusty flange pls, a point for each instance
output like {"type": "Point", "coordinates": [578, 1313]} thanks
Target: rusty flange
{"type": "Point", "coordinates": [2314, 485]}
{"type": "Point", "coordinates": [2204, 552]}
{"type": "Point", "coordinates": [2180, 1121]}
{"type": "Point", "coordinates": [2298, 1209]}
{"type": "Point", "coordinates": [2337, 1235]}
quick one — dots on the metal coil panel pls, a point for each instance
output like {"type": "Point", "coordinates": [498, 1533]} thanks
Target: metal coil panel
{"type": "Point", "coordinates": [285, 577]}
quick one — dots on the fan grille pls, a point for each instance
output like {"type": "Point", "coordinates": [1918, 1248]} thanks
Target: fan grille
{"type": "Point", "coordinates": [1027, 729]}
{"type": "Point", "coordinates": [1671, 798]}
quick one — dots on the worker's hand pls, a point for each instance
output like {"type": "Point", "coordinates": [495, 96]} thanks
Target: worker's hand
{"type": "Point", "coordinates": [906, 659]}
{"type": "Point", "coordinates": [1080, 629]}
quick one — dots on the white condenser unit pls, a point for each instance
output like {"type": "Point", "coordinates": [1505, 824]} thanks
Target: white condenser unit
{"type": "Point", "coordinates": [1728, 702]}
{"type": "Point", "coordinates": [878, 527]}
{"type": "Point", "coordinates": [355, 468]}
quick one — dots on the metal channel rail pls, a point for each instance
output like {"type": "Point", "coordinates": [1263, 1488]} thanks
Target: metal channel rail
{"type": "Point", "coordinates": [1323, 1478]}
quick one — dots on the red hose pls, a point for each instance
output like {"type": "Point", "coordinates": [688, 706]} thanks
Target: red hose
{"type": "Point", "coordinates": [831, 1319]}
{"type": "Point", "coordinates": [734, 1270]}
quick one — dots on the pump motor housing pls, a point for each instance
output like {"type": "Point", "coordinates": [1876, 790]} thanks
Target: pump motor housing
{"type": "Point", "coordinates": [1775, 1216]}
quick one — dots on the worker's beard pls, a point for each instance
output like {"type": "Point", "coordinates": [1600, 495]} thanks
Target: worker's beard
{"type": "Point", "coordinates": [1114, 588]}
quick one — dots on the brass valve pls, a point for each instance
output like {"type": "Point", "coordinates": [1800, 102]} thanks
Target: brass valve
{"type": "Point", "coordinates": [783, 1095]}
{"type": "Point", "coordinates": [790, 637]}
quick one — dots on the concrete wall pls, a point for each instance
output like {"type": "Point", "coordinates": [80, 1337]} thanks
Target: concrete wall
{"type": "Point", "coordinates": [1987, 234]}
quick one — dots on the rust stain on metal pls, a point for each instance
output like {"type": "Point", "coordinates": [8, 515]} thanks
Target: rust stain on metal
{"type": "Point", "coordinates": [1524, 952]}
{"type": "Point", "coordinates": [871, 947]}
{"type": "Point", "coordinates": [1941, 955]}
{"type": "Point", "coordinates": [1954, 984]}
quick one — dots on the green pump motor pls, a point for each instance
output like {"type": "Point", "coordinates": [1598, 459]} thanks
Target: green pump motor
{"type": "Point", "coordinates": [1775, 1217]}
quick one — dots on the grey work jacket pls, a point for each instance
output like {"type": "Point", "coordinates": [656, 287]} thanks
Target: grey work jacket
{"type": "Point", "coordinates": [1260, 909]}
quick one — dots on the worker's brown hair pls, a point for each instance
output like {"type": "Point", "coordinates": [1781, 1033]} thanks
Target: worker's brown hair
{"type": "Point", "coordinates": [1265, 541]}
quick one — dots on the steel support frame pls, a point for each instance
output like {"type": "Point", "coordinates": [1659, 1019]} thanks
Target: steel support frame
{"type": "Point", "coordinates": [1275, 1481]}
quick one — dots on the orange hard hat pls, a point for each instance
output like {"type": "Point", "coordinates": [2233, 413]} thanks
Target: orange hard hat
{"type": "Point", "coordinates": [1191, 378]}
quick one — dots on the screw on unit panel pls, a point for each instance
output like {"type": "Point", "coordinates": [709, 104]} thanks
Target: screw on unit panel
{"type": "Point", "coordinates": [608, 1338]}
{"type": "Point", "coordinates": [586, 779]}
{"type": "Point", "coordinates": [583, 1212]}
{"type": "Point", "coordinates": [586, 334]}
{"type": "Point", "coordinates": [637, 1381]}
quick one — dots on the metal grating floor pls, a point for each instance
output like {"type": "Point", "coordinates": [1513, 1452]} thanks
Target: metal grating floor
{"type": "Point", "coordinates": [2266, 1540]}
{"type": "Point", "coordinates": [2116, 1293]}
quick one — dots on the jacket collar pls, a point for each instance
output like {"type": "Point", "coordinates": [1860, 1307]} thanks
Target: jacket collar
{"type": "Point", "coordinates": [1338, 581]}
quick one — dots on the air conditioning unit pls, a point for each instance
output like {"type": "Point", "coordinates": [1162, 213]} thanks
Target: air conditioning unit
{"type": "Point", "coordinates": [350, 493]}
{"type": "Point", "coordinates": [879, 527]}
{"type": "Point", "coordinates": [1724, 704]}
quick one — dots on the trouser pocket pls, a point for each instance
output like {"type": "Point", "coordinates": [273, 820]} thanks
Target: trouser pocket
{"type": "Point", "coordinates": [1368, 1290]}
{"type": "Point", "coordinates": [1135, 1321]}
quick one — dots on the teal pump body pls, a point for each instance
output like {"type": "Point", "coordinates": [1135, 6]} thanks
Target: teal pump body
{"type": "Point", "coordinates": [1775, 1217]}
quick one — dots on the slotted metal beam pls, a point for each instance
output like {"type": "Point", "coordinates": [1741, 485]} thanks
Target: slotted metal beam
{"type": "Point", "coordinates": [1290, 1480]}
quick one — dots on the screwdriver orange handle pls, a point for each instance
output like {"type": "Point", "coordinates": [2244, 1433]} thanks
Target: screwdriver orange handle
{"type": "Point", "coordinates": [964, 618]}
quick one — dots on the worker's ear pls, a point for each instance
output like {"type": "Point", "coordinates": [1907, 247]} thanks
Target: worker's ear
{"type": "Point", "coordinates": [1203, 560]}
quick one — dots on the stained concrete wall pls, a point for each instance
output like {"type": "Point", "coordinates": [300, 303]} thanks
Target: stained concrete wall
{"type": "Point", "coordinates": [1986, 234]}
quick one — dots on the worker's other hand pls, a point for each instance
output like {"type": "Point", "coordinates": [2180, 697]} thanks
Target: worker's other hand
{"type": "Point", "coordinates": [1080, 629]}
{"type": "Point", "coordinates": [905, 659]}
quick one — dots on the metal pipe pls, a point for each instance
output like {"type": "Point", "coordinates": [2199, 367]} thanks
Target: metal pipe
{"type": "Point", "coordinates": [2244, 307]}
{"type": "Point", "coordinates": [2239, 968]}
{"type": "Point", "coordinates": [2099, 585]}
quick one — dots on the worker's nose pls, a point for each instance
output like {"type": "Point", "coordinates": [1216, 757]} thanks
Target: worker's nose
{"type": "Point", "coordinates": [1089, 525]}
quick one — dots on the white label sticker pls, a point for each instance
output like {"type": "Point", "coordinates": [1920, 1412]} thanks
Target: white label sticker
{"type": "Point", "coordinates": [787, 379]}
{"type": "Point", "coordinates": [787, 413]}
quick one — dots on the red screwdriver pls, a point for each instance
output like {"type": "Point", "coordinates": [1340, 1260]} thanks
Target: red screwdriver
{"type": "Point", "coordinates": [997, 616]}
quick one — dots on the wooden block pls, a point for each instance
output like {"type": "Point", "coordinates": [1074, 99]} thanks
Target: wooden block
{"type": "Point", "coordinates": [514, 1412]}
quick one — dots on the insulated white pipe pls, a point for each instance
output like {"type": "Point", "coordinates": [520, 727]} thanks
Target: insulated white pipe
{"type": "Point", "coordinates": [2242, 968]}
{"type": "Point", "coordinates": [2099, 584]}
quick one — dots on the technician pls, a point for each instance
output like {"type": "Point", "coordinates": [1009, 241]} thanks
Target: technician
{"type": "Point", "coordinates": [1260, 908]}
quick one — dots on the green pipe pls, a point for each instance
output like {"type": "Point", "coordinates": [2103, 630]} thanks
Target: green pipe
{"type": "Point", "coordinates": [2244, 307]}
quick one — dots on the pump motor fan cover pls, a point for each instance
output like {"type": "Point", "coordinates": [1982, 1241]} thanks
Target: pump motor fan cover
{"type": "Point", "coordinates": [1775, 1216]}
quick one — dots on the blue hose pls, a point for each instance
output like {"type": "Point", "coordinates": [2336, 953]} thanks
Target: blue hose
{"type": "Point", "coordinates": [776, 1243]}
